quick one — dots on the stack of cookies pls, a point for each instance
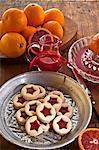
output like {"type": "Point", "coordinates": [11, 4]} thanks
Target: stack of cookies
{"type": "Point", "coordinates": [39, 112]}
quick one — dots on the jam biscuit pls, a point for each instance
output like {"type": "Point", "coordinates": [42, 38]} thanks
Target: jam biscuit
{"type": "Point", "coordinates": [62, 125]}
{"type": "Point", "coordinates": [33, 126]}
{"type": "Point", "coordinates": [30, 107]}
{"type": "Point", "coordinates": [19, 101]}
{"type": "Point", "coordinates": [42, 92]}
{"type": "Point", "coordinates": [58, 93]}
{"type": "Point", "coordinates": [30, 91]}
{"type": "Point", "coordinates": [54, 100]}
{"type": "Point", "coordinates": [21, 116]}
{"type": "Point", "coordinates": [45, 112]}
{"type": "Point", "coordinates": [65, 109]}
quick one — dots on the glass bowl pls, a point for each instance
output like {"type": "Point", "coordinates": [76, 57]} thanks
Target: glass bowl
{"type": "Point", "coordinates": [84, 60]}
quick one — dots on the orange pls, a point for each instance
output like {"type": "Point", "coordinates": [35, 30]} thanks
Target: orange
{"type": "Point", "coordinates": [14, 20]}
{"type": "Point", "coordinates": [12, 45]}
{"type": "Point", "coordinates": [54, 14]}
{"type": "Point", "coordinates": [89, 139]}
{"type": "Point", "coordinates": [35, 14]}
{"type": "Point", "coordinates": [94, 44]}
{"type": "Point", "coordinates": [55, 28]}
{"type": "Point", "coordinates": [2, 29]}
{"type": "Point", "coordinates": [28, 31]}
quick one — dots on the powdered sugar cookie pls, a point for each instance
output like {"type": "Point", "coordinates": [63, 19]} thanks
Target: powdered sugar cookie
{"type": "Point", "coordinates": [21, 116]}
{"type": "Point", "coordinates": [58, 93]}
{"type": "Point", "coordinates": [33, 126]}
{"type": "Point", "coordinates": [30, 107]}
{"type": "Point", "coordinates": [30, 91]}
{"type": "Point", "coordinates": [54, 100]}
{"type": "Point", "coordinates": [19, 101]}
{"type": "Point", "coordinates": [45, 112]}
{"type": "Point", "coordinates": [42, 92]}
{"type": "Point", "coordinates": [62, 125]}
{"type": "Point", "coordinates": [65, 109]}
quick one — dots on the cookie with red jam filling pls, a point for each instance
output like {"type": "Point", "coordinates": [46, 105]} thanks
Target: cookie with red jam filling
{"type": "Point", "coordinates": [30, 91]}
{"type": "Point", "coordinates": [19, 101]}
{"type": "Point", "coordinates": [65, 109]}
{"type": "Point", "coordinates": [21, 116]}
{"type": "Point", "coordinates": [54, 100]}
{"type": "Point", "coordinates": [45, 112]}
{"type": "Point", "coordinates": [62, 125]}
{"type": "Point", "coordinates": [58, 93]}
{"type": "Point", "coordinates": [34, 128]}
{"type": "Point", "coordinates": [30, 107]}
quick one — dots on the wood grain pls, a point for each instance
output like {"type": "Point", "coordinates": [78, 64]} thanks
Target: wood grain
{"type": "Point", "coordinates": [85, 13]}
{"type": "Point", "coordinates": [70, 33]}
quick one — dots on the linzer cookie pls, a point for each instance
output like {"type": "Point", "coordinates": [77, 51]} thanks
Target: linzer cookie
{"type": "Point", "coordinates": [21, 116]}
{"type": "Point", "coordinates": [19, 101]}
{"type": "Point", "coordinates": [33, 126]}
{"type": "Point", "coordinates": [30, 107]}
{"type": "Point", "coordinates": [30, 91]}
{"type": "Point", "coordinates": [45, 112]}
{"type": "Point", "coordinates": [58, 93]}
{"type": "Point", "coordinates": [62, 125]}
{"type": "Point", "coordinates": [65, 109]}
{"type": "Point", "coordinates": [54, 100]}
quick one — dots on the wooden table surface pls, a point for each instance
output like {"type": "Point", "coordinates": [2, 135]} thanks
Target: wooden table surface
{"type": "Point", "coordinates": [85, 13]}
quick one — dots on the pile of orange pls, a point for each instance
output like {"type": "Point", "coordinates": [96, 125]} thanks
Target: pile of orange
{"type": "Point", "coordinates": [16, 26]}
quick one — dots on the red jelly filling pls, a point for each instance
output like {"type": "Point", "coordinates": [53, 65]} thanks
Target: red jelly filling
{"type": "Point", "coordinates": [46, 111]}
{"type": "Point", "coordinates": [62, 124]}
{"type": "Point", "coordinates": [33, 107]}
{"type": "Point", "coordinates": [64, 110]}
{"type": "Point", "coordinates": [53, 101]}
{"type": "Point", "coordinates": [30, 90]}
{"type": "Point", "coordinates": [21, 100]}
{"type": "Point", "coordinates": [35, 125]}
{"type": "Point", "coordinates": [24, 115]}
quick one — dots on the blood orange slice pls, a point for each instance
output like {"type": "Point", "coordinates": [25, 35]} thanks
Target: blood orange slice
{"type": "Point", "coordinates": [40, 40]}
{"type": "Point", "coordinates": [89, 139]}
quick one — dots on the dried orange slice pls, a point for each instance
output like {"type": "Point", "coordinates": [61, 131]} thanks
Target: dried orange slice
{"type": "Point", "coordinates": [89, 139]}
